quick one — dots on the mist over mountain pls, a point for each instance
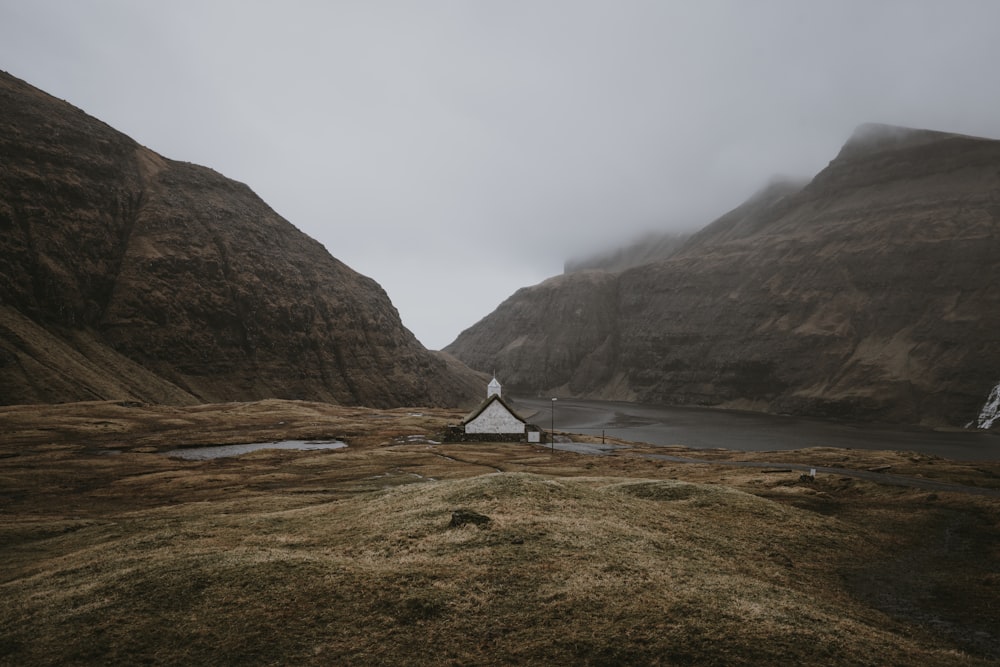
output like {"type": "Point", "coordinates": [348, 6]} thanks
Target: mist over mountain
{"type": "Point", "coordinates": [648, 248]}
{"type": "Point", "coordinates": [656, 246]}
{"type": "Point", "coordinates": [126, 275]}
{"type": "Point", "coordinates": [868, 293]}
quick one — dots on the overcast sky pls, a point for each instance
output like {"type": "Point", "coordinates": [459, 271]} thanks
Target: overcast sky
{"type": "Point", "coordinates": [456, 151]}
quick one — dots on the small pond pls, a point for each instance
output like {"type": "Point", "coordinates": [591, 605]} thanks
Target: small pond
{"type": "Point", "coordinates": [222, 451]}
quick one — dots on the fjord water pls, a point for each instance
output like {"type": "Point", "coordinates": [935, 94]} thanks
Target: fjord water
{"type": "Point", "coordinates": [707, 428]}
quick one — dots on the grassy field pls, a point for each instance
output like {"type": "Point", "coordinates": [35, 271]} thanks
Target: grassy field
{"type": "Point", "coordinates": [113, 553]}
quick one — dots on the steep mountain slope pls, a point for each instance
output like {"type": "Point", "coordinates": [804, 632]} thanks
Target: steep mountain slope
{"type": "Point", "coordinates": [561, 332]}
{"type": "Point", "coordinates": [871, 293]}
{"type": "Point", "coordinates": [127, 275]}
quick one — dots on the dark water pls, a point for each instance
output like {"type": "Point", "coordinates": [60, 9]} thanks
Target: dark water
{"type": "Point", "coordinates": [702, 428]}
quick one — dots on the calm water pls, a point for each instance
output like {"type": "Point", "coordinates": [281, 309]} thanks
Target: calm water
{"type": "Point", "coordinates": [702, 428]}
{"type": "Point", "coordinates": [222, 451]}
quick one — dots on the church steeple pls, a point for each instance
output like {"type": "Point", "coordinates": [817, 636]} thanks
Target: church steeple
{"type": "Point", "coordinates": [493, 387]}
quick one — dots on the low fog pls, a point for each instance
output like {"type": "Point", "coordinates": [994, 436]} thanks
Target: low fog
{"type": "Point", "coordinates": [457, 151]}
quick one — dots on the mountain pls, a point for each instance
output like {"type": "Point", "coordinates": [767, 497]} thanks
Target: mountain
{"type": "Point", "coordinates": [125, 275]}
{"type": "Point", "coordinates": [868, 294]}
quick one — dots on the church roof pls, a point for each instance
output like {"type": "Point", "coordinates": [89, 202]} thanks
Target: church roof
{"type": "Point", "coordinates": [485, 404]}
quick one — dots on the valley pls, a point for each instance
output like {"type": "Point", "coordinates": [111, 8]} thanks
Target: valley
{"type": "Point", "coordinates": [776, 437]}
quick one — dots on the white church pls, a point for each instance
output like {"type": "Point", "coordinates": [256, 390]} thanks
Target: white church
{"type": "Point", "coordinates": [495, 419]}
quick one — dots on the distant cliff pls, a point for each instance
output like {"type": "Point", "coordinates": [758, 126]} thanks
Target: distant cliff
{"type": "Point", "coordinates": [870, 293]}
{"type": "Point", "coordinates": [127, 275]}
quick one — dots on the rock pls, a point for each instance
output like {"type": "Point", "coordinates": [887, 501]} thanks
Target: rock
{"type": "Point", "coordinates": [461, 517]}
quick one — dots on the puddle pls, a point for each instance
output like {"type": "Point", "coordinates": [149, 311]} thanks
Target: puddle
{"type": "Point", "coordinates": [414, 440]}
{"type": "Point", "coordinates": [223, 451]}
{"type": "Point", "coordinates": [591, 448]}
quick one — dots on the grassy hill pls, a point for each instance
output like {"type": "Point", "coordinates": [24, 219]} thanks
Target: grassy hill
{"type": "Point", "coordinates": [114, 553]}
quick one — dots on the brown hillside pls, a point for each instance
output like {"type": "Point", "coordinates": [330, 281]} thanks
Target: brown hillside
{"type": "Point", "coordinates": [128, 275]}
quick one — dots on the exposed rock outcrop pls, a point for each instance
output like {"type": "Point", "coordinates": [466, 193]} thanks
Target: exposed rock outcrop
{"type": "Point", "coordinates": [870, 293]}
{"type": "Point", "coordinates": [126, 275]}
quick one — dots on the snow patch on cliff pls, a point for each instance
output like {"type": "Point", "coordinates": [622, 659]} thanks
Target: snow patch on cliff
{"type": "Point", "coordinates": [991, 410]}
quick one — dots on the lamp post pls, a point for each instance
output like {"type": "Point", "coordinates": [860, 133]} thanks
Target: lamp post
{"type": "Point", "coordinates": [552, 426]}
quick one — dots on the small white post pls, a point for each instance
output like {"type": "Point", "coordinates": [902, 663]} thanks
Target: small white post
{"type": "Point", "coordinates": [552, 425]}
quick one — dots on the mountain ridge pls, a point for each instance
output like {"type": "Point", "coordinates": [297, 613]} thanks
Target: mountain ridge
{"type": "Point", "coordinates": [863, 295]}
{"type": "Point", "coordinates": [164, 281]}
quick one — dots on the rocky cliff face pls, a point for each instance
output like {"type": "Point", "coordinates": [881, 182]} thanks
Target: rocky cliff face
{"type": "Point", "coordinates": [559, 333]}
{"type": "Point", "coordinates": [127, 275]}
{"type": "Point", "coordinates": [870, 293]}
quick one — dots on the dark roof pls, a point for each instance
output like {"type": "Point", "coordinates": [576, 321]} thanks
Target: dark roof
{"type": "Point", "coordinates": [482, 406]}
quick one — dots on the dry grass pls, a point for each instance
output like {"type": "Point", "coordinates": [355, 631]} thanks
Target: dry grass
{"type": "Point", "coordinates": [347, 557]}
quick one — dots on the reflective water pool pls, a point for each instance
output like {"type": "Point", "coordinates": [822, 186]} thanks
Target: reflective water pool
{"type": "Point", "coordinates": [222, 451]}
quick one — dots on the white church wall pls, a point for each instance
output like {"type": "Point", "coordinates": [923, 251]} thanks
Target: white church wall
{"type": "Point", "coordinates": [495, 419]}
